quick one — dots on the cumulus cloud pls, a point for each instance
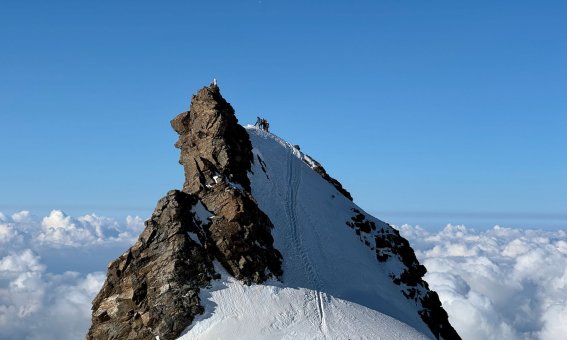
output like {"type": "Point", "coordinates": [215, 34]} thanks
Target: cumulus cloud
{"type": "Point", "coordinates": [501, 283]}
{"type": "Point", "coordinates": [7, 233]}
{"type": "Point", "coordinates": [35, 304]}
{"type": "Point", "coordinates": [58, 230]}
{"type": "Point", "coordinates": [61, 230]}
{"type": "Point", "coordinates": [41, 301]}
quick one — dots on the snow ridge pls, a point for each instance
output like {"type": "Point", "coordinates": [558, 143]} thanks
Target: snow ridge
{"type": "Point", "coordinates": [332, 286]}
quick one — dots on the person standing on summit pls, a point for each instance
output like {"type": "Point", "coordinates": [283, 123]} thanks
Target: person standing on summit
{"type": "Point", "coordinates": [266, 125]}
{"type": "Point", "coordinates": [262, 124]}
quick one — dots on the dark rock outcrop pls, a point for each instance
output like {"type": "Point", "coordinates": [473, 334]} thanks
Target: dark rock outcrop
{"type": "Point", "coordinates": [388, 245]}
{"type": "Point", "coordinates": [153, 288]}
{"type": "Point", "coordinates": [216, 154]}
{"type": "Point", "coordinates": [360, 223]}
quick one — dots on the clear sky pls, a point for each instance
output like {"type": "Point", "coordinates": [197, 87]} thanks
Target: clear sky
{"type": "Point", "coordinates": [427, 111]}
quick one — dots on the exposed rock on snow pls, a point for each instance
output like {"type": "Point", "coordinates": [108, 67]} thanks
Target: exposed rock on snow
{"type": "Point", "coordinates": [153, 287]}
{"type": "Point", "coordinates": [389, 243]}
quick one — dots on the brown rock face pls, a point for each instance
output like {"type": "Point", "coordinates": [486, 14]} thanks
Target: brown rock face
{"type": "Point", "coordinates": [212, 142]}
{"type": "Point", "coordinates": [153, 288]}
{"type": "Point", "coordinates": [216, 154]}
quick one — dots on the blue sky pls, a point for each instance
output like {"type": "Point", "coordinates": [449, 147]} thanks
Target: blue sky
{"type": "Point", "coordinates": [428, 112]}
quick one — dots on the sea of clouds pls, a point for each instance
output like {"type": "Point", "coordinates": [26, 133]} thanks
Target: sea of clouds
{"type": "Point", "coordinates": [52, 267]}
{"type": "Point", "coordinates": [501, 283]}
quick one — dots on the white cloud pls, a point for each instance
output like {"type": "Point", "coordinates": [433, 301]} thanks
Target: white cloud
{"type": "Point", "coordinates": [136, 224]}
{"type": "Point", "coordinates": [7, 233]}
{"type": "Point", "coordinates": [554, 320]}
{"type": "Point", "coordinates": [23, 216]}
{"type": "Point", "coordinates": [42, 302]}
{"type": "Point", "coordinates": [35, 304]}
{"type": "Point", "coordinates": [60, 230]}
{"type": "Point", "coordinates": [24, 261]}
{"type": "Point", "coordinates": [501, 283]}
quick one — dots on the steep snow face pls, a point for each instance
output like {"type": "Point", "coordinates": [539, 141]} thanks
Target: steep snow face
{"type": "Point", "coordinates": [333, 287]}
{"type": "Point", "coordinates": [274, 310]}
{"type": "Point", "coordinates": [320, 251]}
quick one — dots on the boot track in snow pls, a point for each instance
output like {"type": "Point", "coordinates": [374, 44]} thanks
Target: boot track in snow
{"type": "Point", "coordinates": [294, 184]}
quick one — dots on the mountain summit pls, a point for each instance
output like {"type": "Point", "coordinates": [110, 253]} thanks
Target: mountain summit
{"type": "Point", "coordinates": [262, 243]}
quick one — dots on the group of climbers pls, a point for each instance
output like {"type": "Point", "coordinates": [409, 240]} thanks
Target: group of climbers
{"type": "Point", "coordinates": [262, 124]}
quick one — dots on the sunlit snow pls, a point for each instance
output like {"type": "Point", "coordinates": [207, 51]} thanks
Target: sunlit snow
{"type": "Point", "coordinates": [332, 288]}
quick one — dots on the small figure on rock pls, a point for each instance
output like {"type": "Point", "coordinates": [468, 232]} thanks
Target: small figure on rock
{"type": "Point", "coordinates": [214, 83]}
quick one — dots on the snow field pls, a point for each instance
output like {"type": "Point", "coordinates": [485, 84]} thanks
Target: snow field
{"type": "Point", "coordinates": [332, 288]}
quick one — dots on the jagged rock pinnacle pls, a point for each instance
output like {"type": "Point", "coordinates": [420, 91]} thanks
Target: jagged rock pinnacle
{"type": "Point", "coordinates": [216, 155]}
{"type": "Point", "coordinates": [212, 142]}
{"type": "Point", "coordinates": [153, 288]}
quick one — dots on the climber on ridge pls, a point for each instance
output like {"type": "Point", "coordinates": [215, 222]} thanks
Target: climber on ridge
{"type": "Point", "coordinates": [262, 124]}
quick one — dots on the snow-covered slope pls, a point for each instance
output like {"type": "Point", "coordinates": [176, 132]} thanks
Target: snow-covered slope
{"type": "Point", "coordinates": [333, 287]}
{"type": "Point", "coordinates": [275, 310]}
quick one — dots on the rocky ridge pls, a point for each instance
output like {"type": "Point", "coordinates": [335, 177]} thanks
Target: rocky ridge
{"type": "Point", "coordinates": [388, 243]}
{"type": "Point", "coordinates": [153, 288]}
{"type": "Point", "coordinates": [216, 154]}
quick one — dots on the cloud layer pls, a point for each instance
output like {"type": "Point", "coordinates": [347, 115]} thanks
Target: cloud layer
{"type": "Point", "coordinates": [500, 283]}
{"type": "Point", "coordinates": [39, 300]}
